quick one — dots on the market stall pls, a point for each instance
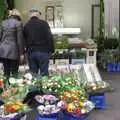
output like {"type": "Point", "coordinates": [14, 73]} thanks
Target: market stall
{"type": "Point", "coordinates": [65, 93]}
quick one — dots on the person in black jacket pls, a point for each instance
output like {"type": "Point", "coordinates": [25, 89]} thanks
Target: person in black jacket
{"type": "Point", "coordinates": [39, 43]}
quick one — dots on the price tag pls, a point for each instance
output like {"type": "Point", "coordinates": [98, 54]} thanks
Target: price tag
{"type": "Point", "coordinates": [60, 52]}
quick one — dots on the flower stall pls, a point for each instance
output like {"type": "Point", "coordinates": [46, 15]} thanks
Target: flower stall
{"type": "Point", "coordinates": [63, 94]}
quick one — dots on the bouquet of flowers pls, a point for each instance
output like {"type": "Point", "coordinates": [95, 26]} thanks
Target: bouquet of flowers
{"type": "Point", "coordinates": [76, 101]}
{"type": "Point", "coordinates": [78, 108]}
{"type": "Point", "coordinates": [14, 106]}
{"type": "Point", "coordinates": [52, 84]}
{"type": "Point", "coordinates": [48, 104]}
{"type": "Point", "coordinates": [13, 110]}
{"type": "Point", "coordinates": [15, 92]}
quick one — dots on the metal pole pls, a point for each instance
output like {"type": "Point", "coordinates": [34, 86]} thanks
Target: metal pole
{"type": "Point", "coordinates": [101, 19]}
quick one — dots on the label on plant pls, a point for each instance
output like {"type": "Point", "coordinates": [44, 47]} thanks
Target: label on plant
{"type": "Point", "coordinates": [96, 72]}
{"type": "Point", "coordinates": [91, 72]}
{"type": "Point", "coordinates": [88, 73]}
{"type": "Point", "coordinates": [61, 61]}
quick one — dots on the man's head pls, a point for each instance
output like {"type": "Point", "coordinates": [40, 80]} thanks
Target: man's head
{"type": "Point", "coordinates": [34, 13]}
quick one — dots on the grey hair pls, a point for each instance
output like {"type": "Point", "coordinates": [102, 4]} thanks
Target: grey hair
{"type": "Point", "coordinates": [34, 12]}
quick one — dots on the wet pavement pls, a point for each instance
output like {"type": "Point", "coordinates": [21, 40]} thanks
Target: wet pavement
{"type": "Point", "coordinates": [112, 111]}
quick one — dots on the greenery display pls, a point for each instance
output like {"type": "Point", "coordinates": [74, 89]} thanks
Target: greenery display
{"type": "Point", "coordinates": [78, 54]}
{"type": "Point", "coordinates": [61, 42]}
{"type": "Point", "coordinates": [3, 10]}
{"type": "Point", "coordinates": [106, 45]}
{"type": "Point", "coordinates": [108, 56]}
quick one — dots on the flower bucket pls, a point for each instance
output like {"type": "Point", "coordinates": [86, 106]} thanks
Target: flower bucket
{"type": "Point", "coordinates": [69, 116]}
{"type": "Point", "coordinates": [14, 116]}
{"type": "Point", "coordinates": [47, 117]}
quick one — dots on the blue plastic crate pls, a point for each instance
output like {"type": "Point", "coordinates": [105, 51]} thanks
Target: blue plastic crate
{"type": "Point", "coordinates": [47, 117]}
{"type": "Point", "coordinates": [118, 67]}
{"type": "Point", "coordinates": [109, 67]}
{"type": "Point", "coordinates": [99, 100]}
{"type": "Point", "coordinates": [113, 67]}
{"type": "Point", "coordinates": [68, 116]}
{"type": "Point", "coordinates": [63, 115]}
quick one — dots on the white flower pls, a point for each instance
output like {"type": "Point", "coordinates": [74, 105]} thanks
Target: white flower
{"type": "Point", "coordinates": [61, 104]}
{"type": "Point", "coordinates": [40, 109]}
{"type": "Point", "coordinates": [19, 81]}
{"type": "Point", "coordinates": [83, 111]}
{"type": "Point", "coordinates": [28, 76]}
{"type": "Point", "coordinates": [12, 80]}
{"type": "Point", "coordinates": [39, 98]}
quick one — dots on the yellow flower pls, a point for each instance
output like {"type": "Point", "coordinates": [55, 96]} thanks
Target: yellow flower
{"type": "Point", "coordinates": [81, 104]}
{"type": "Point", "coordinates": [19, 103]}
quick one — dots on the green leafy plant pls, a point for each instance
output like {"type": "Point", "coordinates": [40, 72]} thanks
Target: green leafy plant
{"type": "Point", "coordinates": [61, 42]}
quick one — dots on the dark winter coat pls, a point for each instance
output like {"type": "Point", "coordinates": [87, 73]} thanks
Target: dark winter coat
{"type": "Point", "coordinates": [38, 35]}
{"type": "Point", "coordinates": [11, 39]}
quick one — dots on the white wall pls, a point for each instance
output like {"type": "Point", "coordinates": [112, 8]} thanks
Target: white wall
{"type": "Point", "coordinates": [77, 13]}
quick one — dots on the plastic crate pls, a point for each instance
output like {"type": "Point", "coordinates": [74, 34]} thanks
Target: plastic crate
{"type": "Point", "coordinates": [99, 100]}
{"type": "Point", "coordinates": [110, 67]}
{"type": "Point", "coordinates": [113, 67]}
{"type": "Point", "coordinates": [68, 116]}
{"type": "Point", "coordinates": [47, 117]}
{"type": "Point", "coordinates": [63, 116]}
{"type": "Point", "coordinates": [118, 67]}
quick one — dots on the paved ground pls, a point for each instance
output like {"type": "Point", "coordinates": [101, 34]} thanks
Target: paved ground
{"type": "Point", "coordinates": [112, 111]}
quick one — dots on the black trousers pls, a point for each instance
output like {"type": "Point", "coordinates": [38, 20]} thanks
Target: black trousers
{"type": "Point", "coordinates": [10, 67]}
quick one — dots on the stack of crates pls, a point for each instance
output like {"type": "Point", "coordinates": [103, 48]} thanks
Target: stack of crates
{"type": "Point", "coordinates": [113, 67]}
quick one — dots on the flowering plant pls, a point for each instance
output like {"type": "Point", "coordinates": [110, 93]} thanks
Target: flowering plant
{"type": "Point", "coordinates": [1, 85]}
{"type": "Point", "coordinates": [48, 104]}
{"type": "Point", "coordinates": [11, 107]}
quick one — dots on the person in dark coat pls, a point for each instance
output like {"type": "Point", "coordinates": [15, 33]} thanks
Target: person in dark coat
{"type": "Point", "coordinates": [39, 42]}
{"type": "Point", "coordinates": [11, 43]}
